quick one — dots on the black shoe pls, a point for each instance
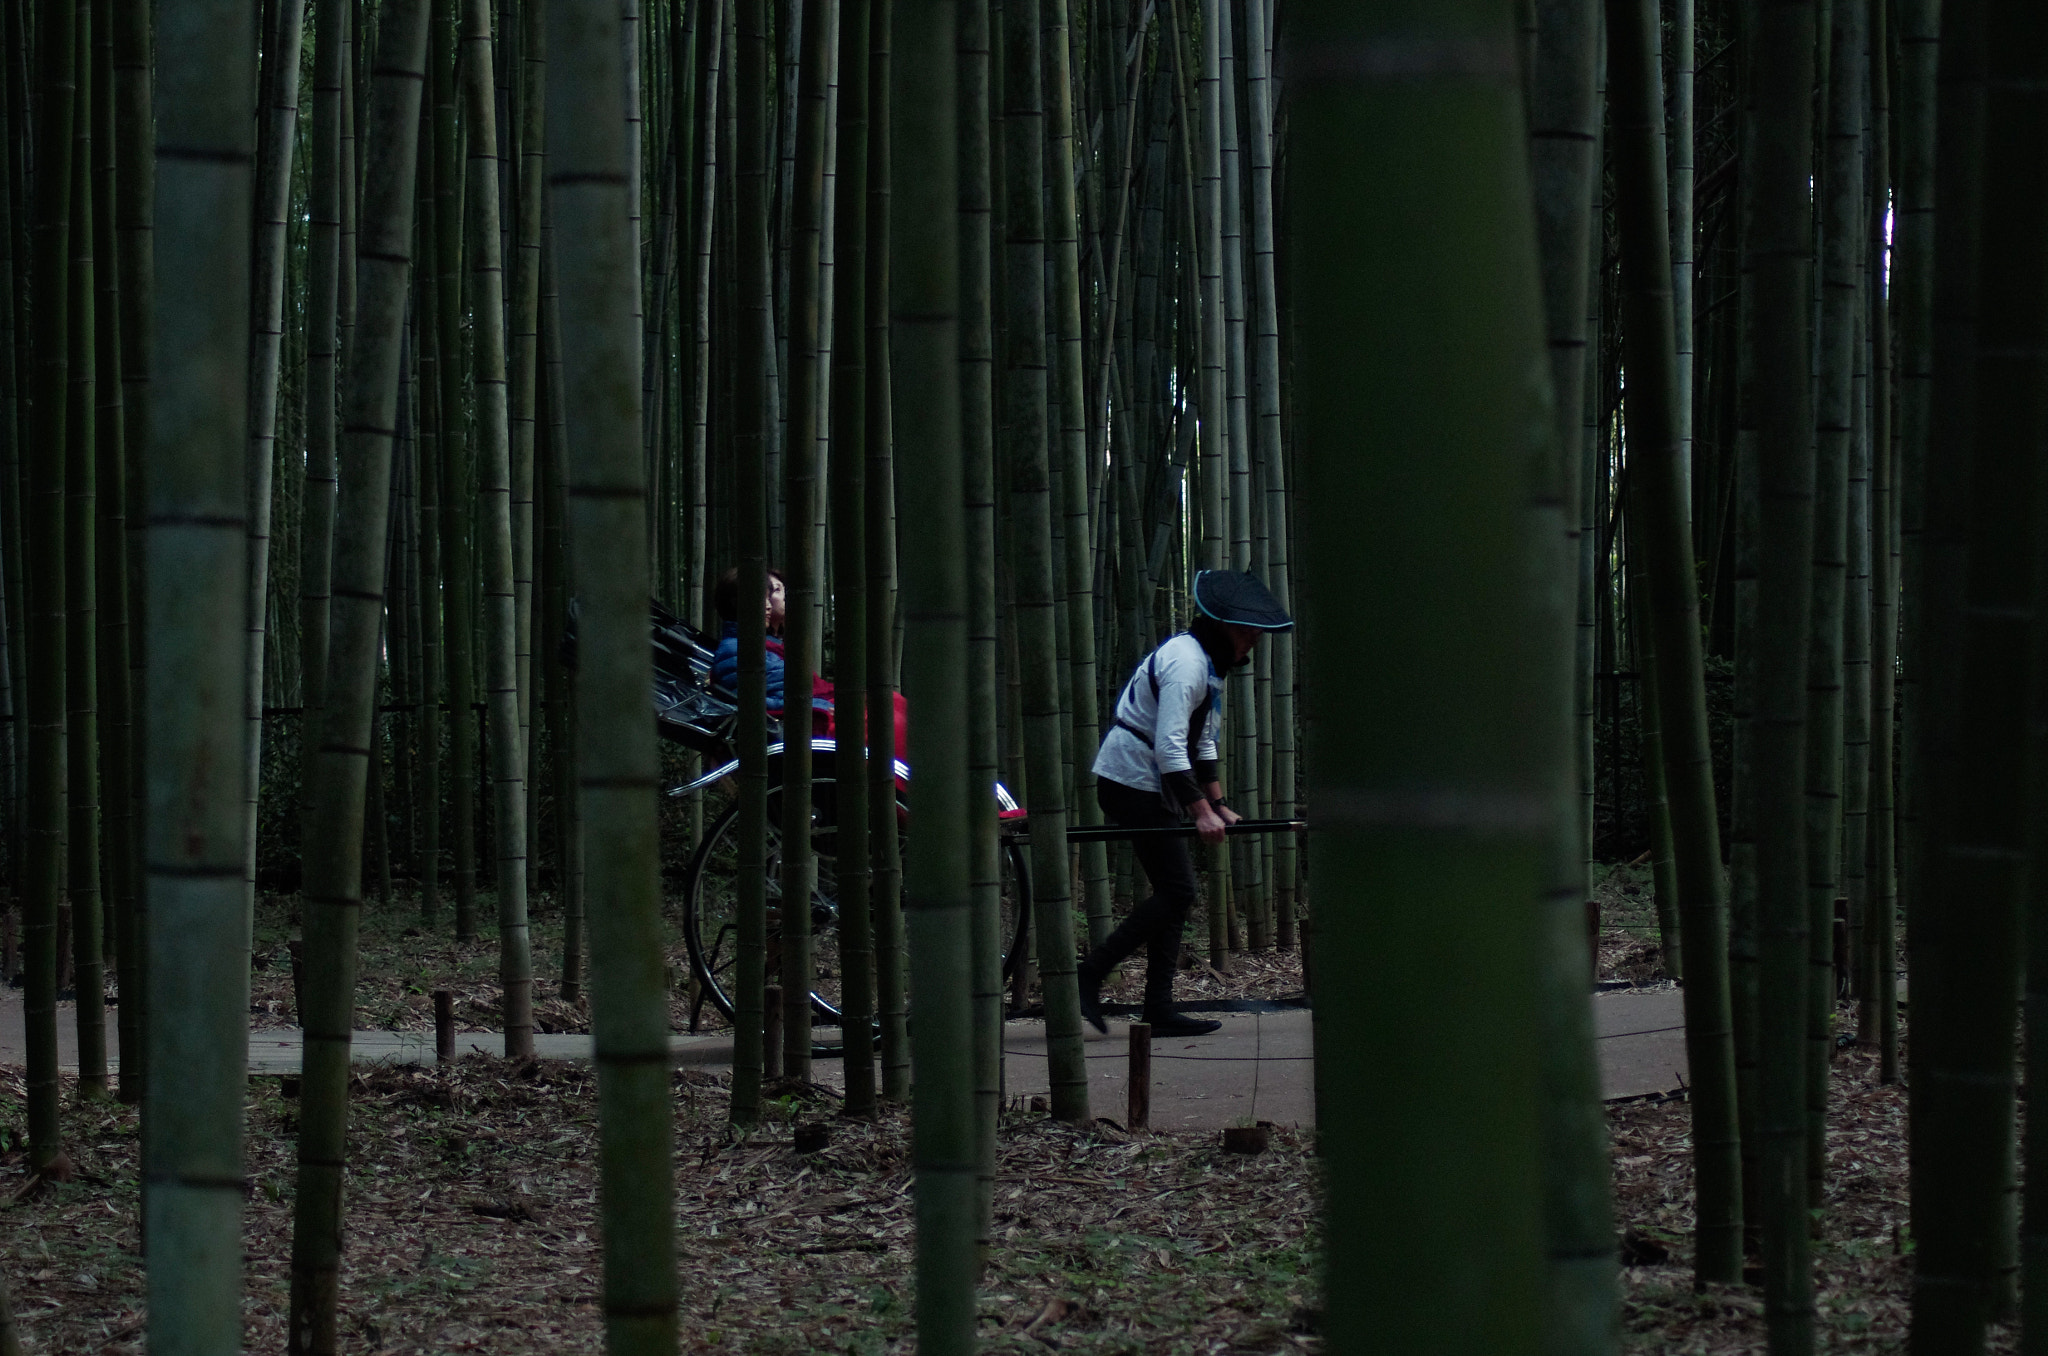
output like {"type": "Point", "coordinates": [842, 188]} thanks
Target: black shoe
{"type": "Point", "coordinates": [1091, 1000]}
{"type": "Point", "coordinates": [1172, 1025]}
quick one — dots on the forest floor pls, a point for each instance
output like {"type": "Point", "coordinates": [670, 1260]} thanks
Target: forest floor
{"type": "Point", "coordinates": [472, 1226]}
{"type": "Point", "coordinates": [1862, 1244]}
{"type": "Point", "coordinates": [404, 959]}
{"type": "Point", "coordinates": [473, 1208]}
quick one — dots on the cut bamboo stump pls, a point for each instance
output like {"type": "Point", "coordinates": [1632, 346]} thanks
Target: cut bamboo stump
{"type": "Point", "coordinates": [444, 1026]}
{"type": "Point", "coordinates": [1247, 1139]}
{"type": "Point", "coordinates": [1139, 1079]}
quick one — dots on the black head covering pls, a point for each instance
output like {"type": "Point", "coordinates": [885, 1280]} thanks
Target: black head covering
{"type": "Point", "coordinates": [1239, 598]}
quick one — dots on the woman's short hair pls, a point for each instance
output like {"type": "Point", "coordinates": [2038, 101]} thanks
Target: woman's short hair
{"type": "Point", "coordinates": [725, 594]}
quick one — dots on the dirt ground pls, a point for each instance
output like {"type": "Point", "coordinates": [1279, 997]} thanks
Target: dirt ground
{"type": "Point", "coordinates": [473, 1227]}
{"type": "Point", "coordinates": [472, 1204]}
{"type": "Point", "coordinates": [1862, 1247]}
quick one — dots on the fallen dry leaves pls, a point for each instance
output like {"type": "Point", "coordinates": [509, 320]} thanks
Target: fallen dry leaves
{"type": "Point", "coordinates": [1861, 1252]}
{"type": "Point", "coordinates": [472, 1226]}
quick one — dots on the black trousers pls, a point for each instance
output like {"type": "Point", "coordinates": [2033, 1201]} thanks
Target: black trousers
{"type": "Point", "coordinates": [1157, 923]}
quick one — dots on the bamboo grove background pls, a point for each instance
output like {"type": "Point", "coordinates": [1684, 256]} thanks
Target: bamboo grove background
{"type": "Point", "coordinates": [363, 380]}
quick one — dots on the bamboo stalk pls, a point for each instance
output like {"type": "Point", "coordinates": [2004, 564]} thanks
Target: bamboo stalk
{"type": "Point", "coordinates": [751, 421]}
{"type": "Point", "coordinates": [81, 594]}
{"type": "Point", "coordinates": [590, 168]}
{"type": "Point", "coordinates": [195, 563]}
{"type": "Point", "coordinates": [1384, 231]}
{"type": "Point", "coordinates": [1657, 501]}
{"type": "Point", "coordinates": [43, 528]}
{"type": "Point", "coordinates": [925, 351]}
{"type": "Point", "coordinates": [863, 732]}
{"type": "Point", "coordinates": [1030, 490]}
{"type": "Point", "coordinates": [494, 494]}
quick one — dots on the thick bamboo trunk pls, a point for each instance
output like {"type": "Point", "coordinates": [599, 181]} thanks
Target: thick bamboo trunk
{"type": "Point", "coordinates": [925, 356]}
{"type": "Point", "coordinates": [333, 881]}
{"type": "Point", "coordinates": [1968, 901]}
{"type": "Point", "coordinates": [1435, 778]}
{"type": "Point", "coordinates": [1580, 1313]}
{"type": "Point", "coordinates": [196, 562]}
{"type": "Point", "coordinates": [1779, 415]}
{"type": "Point", "coordinates": [590, 160]}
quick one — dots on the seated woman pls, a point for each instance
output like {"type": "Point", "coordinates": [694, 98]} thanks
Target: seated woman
{"type": "Point", "coordinates": [725, 661]}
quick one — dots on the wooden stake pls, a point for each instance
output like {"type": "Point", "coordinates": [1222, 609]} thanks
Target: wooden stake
{"type": "Point", "coordinates": [444, 1026]}
{"type": "Point", "coordinates": [1140, 1077]}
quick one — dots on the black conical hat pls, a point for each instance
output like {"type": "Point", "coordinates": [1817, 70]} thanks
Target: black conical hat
{"type": "Point", "coordinates": [1239, 598]}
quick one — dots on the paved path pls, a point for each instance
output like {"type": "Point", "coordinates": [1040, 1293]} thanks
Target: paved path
{"type": "Point", "coordinates": [1257, 1067]}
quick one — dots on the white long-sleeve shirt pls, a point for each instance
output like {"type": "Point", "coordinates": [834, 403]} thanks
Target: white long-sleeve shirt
{"type": "Point", "coordinates": [1183, 675]}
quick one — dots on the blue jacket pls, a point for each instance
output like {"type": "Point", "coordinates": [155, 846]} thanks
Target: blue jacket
{"type": "Point", "coordinates": [725, 664]}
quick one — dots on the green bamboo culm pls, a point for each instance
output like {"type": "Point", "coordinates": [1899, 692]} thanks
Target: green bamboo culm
{"type": "Point", "coordinates": [864, 734]}
{"type": "Point", "coordinates": [135, 214]}
{"type": "Point", "coordinates": [1975, 880]}
{"type": "Point", "coordinates": [277, 139]}
{"type": "Point", "coordinates": [2034, 1223]}
{"type": "Point", "coordinates": [323, 334]}
{"type": "Point", "coordinates": [1070, 396]}
{"type": "Point", "coordinates": [43, 526]}
{"type": "Point", "coordinates": [494, 501]}
{"type": "Point", "coordinates": [195, 565]}
{"type": "Point", "coordinates": [1657, 503]}
{"type": "Point", "coordinates": [885, 838]}
{"type": "Point", "coordinates": [605, 494]}
{"type": "Point", "coordinates": [885, 841]}
{"type": "Point", "coordinates": [800, 499]}
{"type": "Point", "coordinates": [750, 396]}
{"type": "Point", "coordinates": [334, 863]}
{"type": "Point", "coordinates": [1034, 564]}
{"type": "Point", "coordinates": [925, 362]}
{"type": "Point", "coordinates": [1954, 1202]}
{"type": "Point", "coordinates": [1419, 214]}
{"type": "Point", "coordinates": [113, 652]}
{"type": "Point", "coordinates": [81, 596]}
{"type": "Point", "coordinates": [1878, 1013]}
{"type": "Point", "coordinates": [457, 502]}
{"type": "Point", "coordinates": [1581, 1314]}
{"type": "Point", "coordinates": [1836, 409]}
{"type": "Point", "coordinates": [1778, 259]}
{"type": "Point", "coordinates": [978, 485]}
{"type": "Point", "coordinates": [2024, 103]}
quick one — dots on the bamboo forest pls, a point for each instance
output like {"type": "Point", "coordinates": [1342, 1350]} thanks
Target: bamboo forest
{"type": "Point", "coordinates": [1140, 677]}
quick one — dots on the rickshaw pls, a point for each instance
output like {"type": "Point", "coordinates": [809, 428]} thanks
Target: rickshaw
{"type": "Point", "coordinates": [693, 711]}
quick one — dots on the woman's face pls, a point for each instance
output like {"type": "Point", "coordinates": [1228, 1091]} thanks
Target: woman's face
{"type": "Point", "coordinates": [775, 603]}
